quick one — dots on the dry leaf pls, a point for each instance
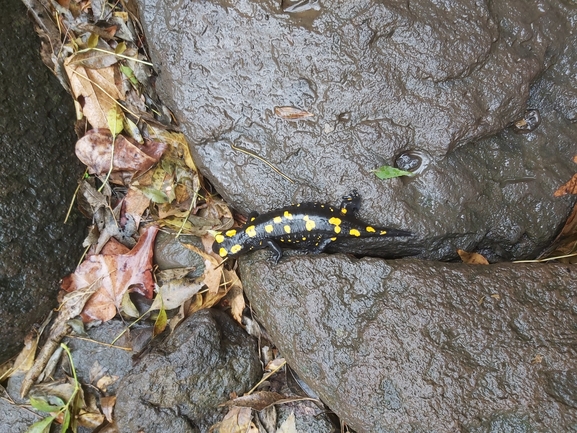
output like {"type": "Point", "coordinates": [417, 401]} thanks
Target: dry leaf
{"type": "Point", "coordinates": [569, 188]}
{"type": "Point", "coordinates": [235, 299]}
{"type": "Point", "coordinates": [25, 359]}
{"type": "Point", "coordinates": [95, 151]}
{"type": "Point", "coordinates": [212, 272]}
{"type": "Point", "coordinates": [472, 258]}
{"type": "Point", "coordinates": [258, 401]}
{"type": "Point", "coordinates": [292, 113]}
{"type": "Point", "coordinates": [114, 275]}
{"type": "Point", "coordinates": [107, 404]}
{"type": "Point", "coordinates": [289, 425]}
{"type": "Point", "coordinates": [96, 88]}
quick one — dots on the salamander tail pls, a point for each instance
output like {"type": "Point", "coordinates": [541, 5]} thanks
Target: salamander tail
{"type": "Point", "coordinates": [394, 232]}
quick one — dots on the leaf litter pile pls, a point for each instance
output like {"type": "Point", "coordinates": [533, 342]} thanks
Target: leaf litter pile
{"type": "Point", "coordinates": [140, 179]}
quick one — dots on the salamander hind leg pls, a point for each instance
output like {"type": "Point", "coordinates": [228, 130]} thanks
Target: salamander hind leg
{"type": "Point", "coordinates": [276, 250]}
{"type": "Point", "coordinates": [320, 245]}
{"type": "Point", "coordinates": [351, 203]}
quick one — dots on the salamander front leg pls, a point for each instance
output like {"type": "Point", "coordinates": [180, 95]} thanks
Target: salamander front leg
{"type": "Point", "coordinates": [351, 203]}
{"type": "Point", "coordinates": [276, 250]}
{"type": "Point", "coordinates": [252, 216]}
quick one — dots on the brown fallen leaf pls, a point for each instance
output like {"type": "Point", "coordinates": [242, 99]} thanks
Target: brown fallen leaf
{"type": "Point", "coordinates": [95, 150]}
{"type": "Point", "coordinates": [568, 188]}
{"type": "Point", "coordinates": [292, 113]}
{"type": "Point", "coordinates": [114, 275]}
{"type": "Point", "coordinates": [472, 258]}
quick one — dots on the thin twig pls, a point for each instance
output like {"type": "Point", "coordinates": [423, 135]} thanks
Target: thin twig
{"type": "Point", "coordinates": [260, 158]}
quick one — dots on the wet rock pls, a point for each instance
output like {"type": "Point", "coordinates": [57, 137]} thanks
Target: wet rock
{"type": "Point", "coordinates": [179, 385]}
{"type": "Point", "coordinates": [381, 80]}
{"type": "Point", "coordinates": [37, 181]}
{"type": "Point", "coordinates": [15, 419]}
{"type": "Point", "coordinates": [409, 345]}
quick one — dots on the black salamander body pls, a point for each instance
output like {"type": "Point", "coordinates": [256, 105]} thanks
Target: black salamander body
{"type": "Point", "coordinates": [308, 226]}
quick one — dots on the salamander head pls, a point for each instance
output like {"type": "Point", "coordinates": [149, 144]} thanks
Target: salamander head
{"type": "Point", "coordinates": [228, 244]}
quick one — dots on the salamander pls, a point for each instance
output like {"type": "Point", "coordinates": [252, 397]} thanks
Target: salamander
{"type": "Point", "coordinates": [308, 226]}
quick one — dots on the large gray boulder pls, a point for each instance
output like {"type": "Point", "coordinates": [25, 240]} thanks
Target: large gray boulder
{"type": "Point", "coordinates": [415, 346]}
{"type": "Point", "coordinates": [38, 177]}
{"type": "Point", "coordinates": [435, 83]}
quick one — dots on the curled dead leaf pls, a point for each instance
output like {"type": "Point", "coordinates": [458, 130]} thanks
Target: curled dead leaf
{"type": "Point", "coordinates": [472, 258]}
{"type": "Point", "coordinates": [292, 113]}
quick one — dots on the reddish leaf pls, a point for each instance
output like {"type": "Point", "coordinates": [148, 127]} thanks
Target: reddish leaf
{"type": "Point", "coordinates": [114, 275]}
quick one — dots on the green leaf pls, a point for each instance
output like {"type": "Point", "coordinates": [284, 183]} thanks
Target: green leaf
{"type": "Point", "coordinates": [65, 422]}
{"type": "Point", "coordinates": [160, 322]}
{"type": "Point", "coordinates": [388, 172]}
{"type": "Point", "coordinates": [41, 404]}
{"type": "Point", "coordinates": [129, 74]}
{"type": "Point", "coordinates": [42, 426]}
{"type": "Point", "coordinates": [120, 48]}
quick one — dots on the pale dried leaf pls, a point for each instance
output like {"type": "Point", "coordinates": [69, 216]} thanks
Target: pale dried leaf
{"type": "Point", "coordinates": [174, 293]}
{"type": "Point", "coordinates": [96, 87]}
{"type": "Point", "coordinates": [289, 425]}
{"type": "Point", "coordinates": [237, 420]}
{"type": "Point", "coordinates": [236, 300]}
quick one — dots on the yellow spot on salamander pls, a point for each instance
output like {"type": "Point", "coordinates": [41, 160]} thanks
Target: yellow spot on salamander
{"type": "Point", "coordinates": [337, 229]}
{"type": "Point", "coordinates": [230, 233]}
{"type": "Point", "coordinates": [304, 238]}
{"type": "Point", "coordinates": [288, 215]}
{"type": "Point", "coordinates": [354, 232]}
{"type": "Point", "coordinates": [287, 228]}
{"type": "Point", "coordinates": [277, 220]}
{"type": "Point", "coordinates": [370, 229]}
{"type": "Point", "coordinates": [333, 239]}
{"type": "Point", "coordinates": [235, 248]}
{"type": "Point", "coordinates": [383, 232]}
{"type": "Point", "coordinates": [268, 228]}
{"type": "Point", "coordinates": [250, 231]}
{"type": "Point", "coordinates": [344, 211]}
{"type": "Point", "coordinates": [310, 224]}
{"type": "Point", "coordinates": [219, 238]}
{"type": "Point", "coordinates": [222, 252]}
{"type": "Point", "coordinates": [335, 221]}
